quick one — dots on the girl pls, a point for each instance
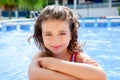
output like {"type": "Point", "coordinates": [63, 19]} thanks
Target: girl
{"type": "Point", "coordinates": [60, 56]}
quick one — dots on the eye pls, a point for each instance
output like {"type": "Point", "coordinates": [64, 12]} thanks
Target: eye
{"type": "Point", "coordinates": [62, 33]}
{"type": "Point", "coordinates": [48, 34]}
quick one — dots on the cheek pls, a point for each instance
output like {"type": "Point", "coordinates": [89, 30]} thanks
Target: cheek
{"type": "Point", "coordinates": [45, 41]}
{"type": "Point", "coordinates": [66, 41]}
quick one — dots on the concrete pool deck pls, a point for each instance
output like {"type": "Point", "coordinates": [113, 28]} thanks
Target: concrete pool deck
{"type": "Point", "coordinates": [28, 23]}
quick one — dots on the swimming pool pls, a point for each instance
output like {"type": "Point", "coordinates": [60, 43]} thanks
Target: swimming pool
{"type": "Point", "coordinates": [102, 44]}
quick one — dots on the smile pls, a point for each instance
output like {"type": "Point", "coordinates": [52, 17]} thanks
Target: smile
{"type": "Point", "coordinates": [56, 47]}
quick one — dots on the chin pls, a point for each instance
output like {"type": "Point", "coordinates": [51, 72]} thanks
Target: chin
{"type": "Point", "coordinates": [56, 52]}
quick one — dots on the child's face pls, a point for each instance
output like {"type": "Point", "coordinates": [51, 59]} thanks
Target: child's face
{"type": "Point", "coordinates": [56, 35]}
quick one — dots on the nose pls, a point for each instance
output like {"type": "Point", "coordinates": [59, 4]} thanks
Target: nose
{"type": "Point", "coordinates": [55, 40]}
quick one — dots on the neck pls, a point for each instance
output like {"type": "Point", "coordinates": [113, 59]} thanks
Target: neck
{"type": "Point", "coordinates": [65, 55]}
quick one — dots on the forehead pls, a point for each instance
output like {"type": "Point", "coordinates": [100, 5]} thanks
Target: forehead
{"type": "Point", "coordinates": [55, 25]}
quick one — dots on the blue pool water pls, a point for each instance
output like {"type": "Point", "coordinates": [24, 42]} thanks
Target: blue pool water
{"type": "Point", "coordinates": [102, 44]}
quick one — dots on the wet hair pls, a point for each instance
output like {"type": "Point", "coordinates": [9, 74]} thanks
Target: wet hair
{"type": "Point", "coordinates": [56, 13]}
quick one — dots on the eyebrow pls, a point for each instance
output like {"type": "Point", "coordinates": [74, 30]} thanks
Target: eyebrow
{"type": "Point", "coordinates": [47, 32]}
{"type": "Point", "coordinates": [63, 31]}
{"type": "Point", "coordinates": [59, 31]}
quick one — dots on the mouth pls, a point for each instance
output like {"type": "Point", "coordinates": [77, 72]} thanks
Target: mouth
{"type": "Point", "coordinates": [56, 47]}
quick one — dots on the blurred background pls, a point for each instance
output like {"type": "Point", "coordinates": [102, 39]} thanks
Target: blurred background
{"type": "Point", "coordinates": [83, 8]}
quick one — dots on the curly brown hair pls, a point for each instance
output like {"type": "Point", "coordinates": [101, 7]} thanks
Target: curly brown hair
{"type": "Point", "coordinates": [57, 13]}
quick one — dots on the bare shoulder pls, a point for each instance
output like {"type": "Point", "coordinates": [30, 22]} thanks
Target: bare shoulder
{"type": "Point", "coordinates": [84, 55]}
{"type": "Point", "coordinates": [85, 58]}
{"type": "Point", "coordinates": [36, 56]}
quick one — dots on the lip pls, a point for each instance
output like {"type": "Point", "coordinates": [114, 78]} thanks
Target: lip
{"type": "Point", "coordinates": [56, 47]}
